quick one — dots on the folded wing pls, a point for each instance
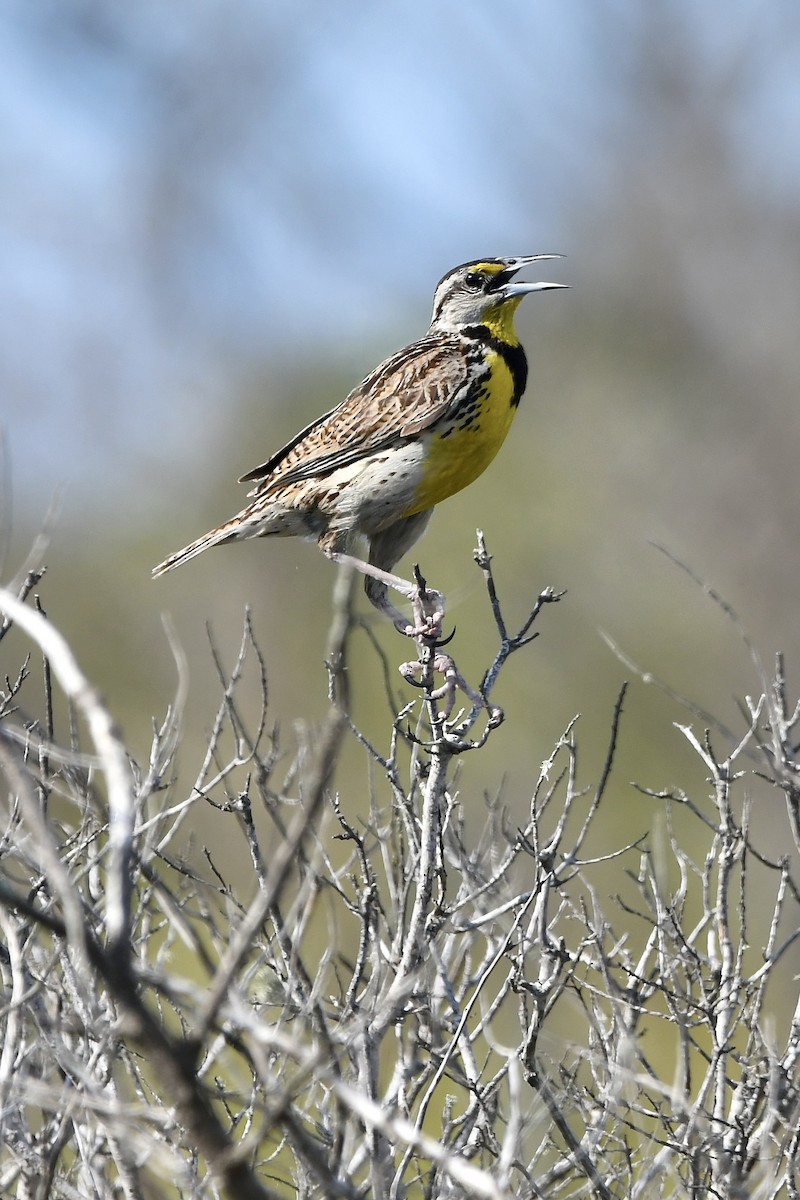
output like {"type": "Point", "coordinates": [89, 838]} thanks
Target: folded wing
{"type": "Point", "coordinates": [400, 399]}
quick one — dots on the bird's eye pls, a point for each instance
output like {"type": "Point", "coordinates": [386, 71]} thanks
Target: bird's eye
{"type": "Point", "coordinates": [474, 281]}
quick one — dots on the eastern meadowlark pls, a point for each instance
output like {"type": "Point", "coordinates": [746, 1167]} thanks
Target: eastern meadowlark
{"type": "Point", "coordinates": [422, 425]}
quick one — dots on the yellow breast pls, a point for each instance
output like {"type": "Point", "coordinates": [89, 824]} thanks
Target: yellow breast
{"type": "Point", "coordinates": [460, 449]}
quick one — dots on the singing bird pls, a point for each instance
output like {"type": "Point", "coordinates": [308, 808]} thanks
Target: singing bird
{"type": "Point", "coordinates": [422, 426]}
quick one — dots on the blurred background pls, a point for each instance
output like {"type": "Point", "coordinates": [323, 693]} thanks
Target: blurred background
{"type": "Point", "coordinates": [217, 218]}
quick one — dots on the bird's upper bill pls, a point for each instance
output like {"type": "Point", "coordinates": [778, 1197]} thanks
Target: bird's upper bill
{"type": "Point", "coordinates": [504, 280]}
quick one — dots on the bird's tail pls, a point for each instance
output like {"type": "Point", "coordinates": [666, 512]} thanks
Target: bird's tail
{"type": "Point", "coordinates": [215, 538]}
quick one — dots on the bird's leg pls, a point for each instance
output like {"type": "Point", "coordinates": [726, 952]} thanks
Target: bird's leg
{"type": "Point", "coordinates": [386, 547]}
{"type": "Point", "coordinates": [453, 682]}
{"type": "Point", "coordinates": [427, 604]}
{"type": "Point", "coordinates": [385, 577]}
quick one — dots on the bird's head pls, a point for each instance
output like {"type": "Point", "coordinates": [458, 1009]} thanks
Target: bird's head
{"type": "Point", "coordinates": [484, 292]}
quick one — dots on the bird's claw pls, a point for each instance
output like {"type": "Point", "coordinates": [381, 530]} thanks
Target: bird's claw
{"type": "Point", "coordinates": [427, 610]}
{"type": "Point", "coordinates": [453, 682]}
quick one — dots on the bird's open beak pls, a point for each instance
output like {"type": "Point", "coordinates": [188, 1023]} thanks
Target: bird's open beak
{"type": "Point", "coordinates": [520, 288]}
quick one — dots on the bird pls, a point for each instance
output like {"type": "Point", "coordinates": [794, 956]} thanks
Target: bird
{"type": "Point", "coordinates": [423, 425]}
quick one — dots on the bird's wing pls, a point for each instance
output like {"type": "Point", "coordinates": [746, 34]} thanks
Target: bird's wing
{"type": "Point", "coordinates": [399, 399]}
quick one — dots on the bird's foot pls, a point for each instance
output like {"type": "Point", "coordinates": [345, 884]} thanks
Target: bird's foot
{"type": "Point", "coordinates": [453, 682]}
{"type": "Point", "coordinates": [427, 608]}
{"type": "Point", "coordinates": [427, 605]}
